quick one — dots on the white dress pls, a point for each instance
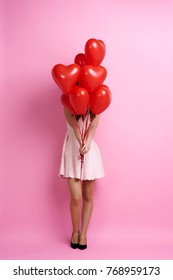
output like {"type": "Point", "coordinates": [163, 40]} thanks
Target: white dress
{"type": "Point", "coordinates": [71, 165]}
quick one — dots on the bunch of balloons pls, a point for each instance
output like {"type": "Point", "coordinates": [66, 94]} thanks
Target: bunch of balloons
{"type": "Point", "coordinates": [82, 82]}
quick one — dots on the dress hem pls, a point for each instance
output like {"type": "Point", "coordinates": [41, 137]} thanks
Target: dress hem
{"type": "Point", "coordinates": [89, 179]}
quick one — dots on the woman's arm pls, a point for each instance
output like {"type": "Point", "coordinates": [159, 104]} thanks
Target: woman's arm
{"type": "Point", "coordinates": [73, 123]}
{"type": "Point", "coordinates": [90, 134]}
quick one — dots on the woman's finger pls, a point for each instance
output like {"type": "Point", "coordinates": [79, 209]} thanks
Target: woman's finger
{"type": "Point", "coordinates": [84, 147]}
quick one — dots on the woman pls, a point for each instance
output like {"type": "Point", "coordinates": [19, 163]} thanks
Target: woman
{"type": "Point", "coordinates": [81, 164]}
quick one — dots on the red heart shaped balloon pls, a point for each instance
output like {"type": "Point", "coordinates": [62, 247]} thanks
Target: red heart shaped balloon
{"type": "Point", "coordinates": [92, 77]}
{"type": "Point", "coordinates": [102, 43]}
{"type": "Point", "coordinates": [66, 77]}
{"type": "Point", "coordinates": [100, 100]}
{"type": "Point", "coordinates": [80, 59]}
{"type": "Point", "coordinates": [79, 99]}
{"type": "Point", "coordinates": [95, 51]}
{"type": "Point", "coordinates": [66, 102]}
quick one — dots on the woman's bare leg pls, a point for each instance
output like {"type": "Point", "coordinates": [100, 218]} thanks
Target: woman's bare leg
{"type": "Point", "coordinates": [75, 201]}
{"type": "Point", "coordinates": [87, 194]}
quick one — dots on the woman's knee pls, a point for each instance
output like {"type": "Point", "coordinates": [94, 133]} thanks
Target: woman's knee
{"type": "Point", "coordinates": [75, 191]}
{"type": "Point", "coordinates": [87, 191]}
{"type": "Point", "coordinates": [87, 196]}
{"type": "Point", "coordinates": [76, 199]}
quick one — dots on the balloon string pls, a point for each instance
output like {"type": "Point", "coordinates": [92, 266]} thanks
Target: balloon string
{"type": "Point", "coordinates": [86, 124]}
{"type": "Point", "coordinates": [83, 134]}
{"type": "Point", "coordinates": [81, 156]}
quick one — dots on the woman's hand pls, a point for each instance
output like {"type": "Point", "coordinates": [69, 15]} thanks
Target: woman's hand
{"type": "Point", "coordinates": [90, 133]}
{"type": "Point", "coordinates": [84, 149]}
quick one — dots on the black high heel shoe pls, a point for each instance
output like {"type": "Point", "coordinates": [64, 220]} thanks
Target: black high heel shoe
{"type": "Point", "coordinates": [82, 246]}
{"type": "Point", "coordinates": [74, 245]}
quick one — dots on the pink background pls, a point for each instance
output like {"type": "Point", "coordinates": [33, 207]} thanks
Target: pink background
{"type": "Point", "coordinates": [132, 217]}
